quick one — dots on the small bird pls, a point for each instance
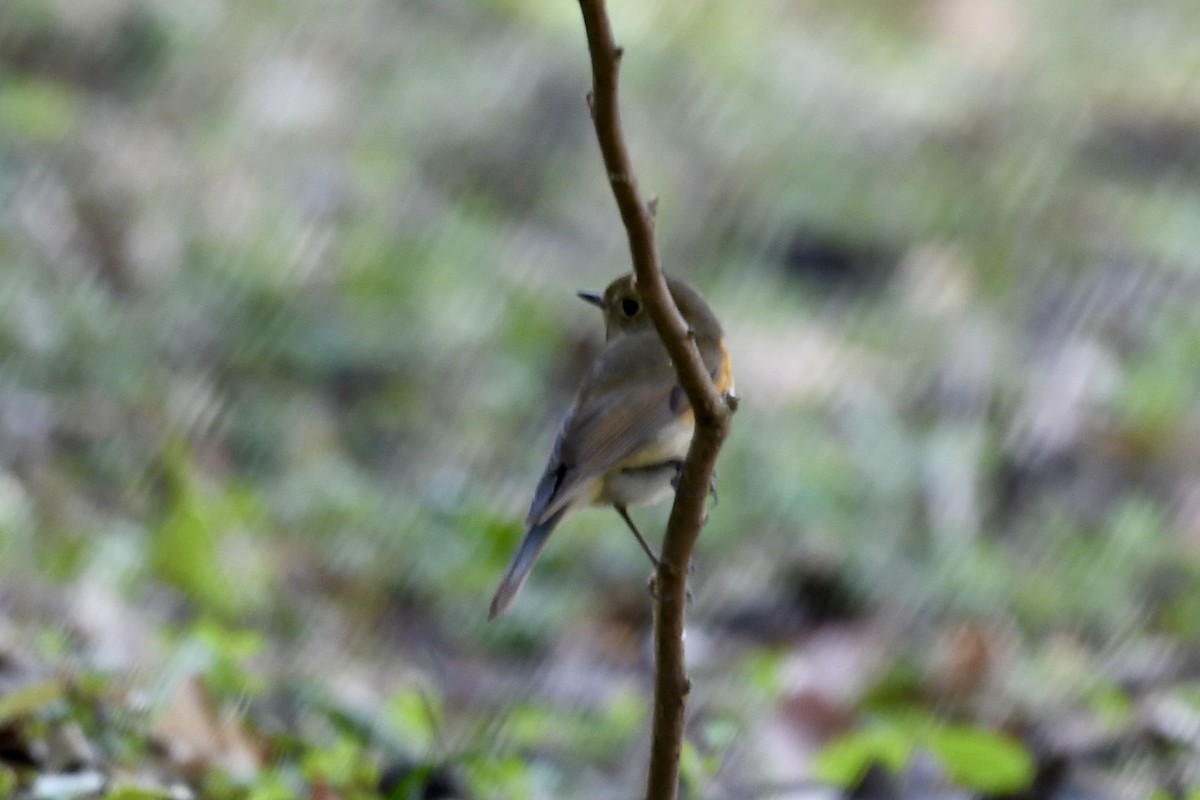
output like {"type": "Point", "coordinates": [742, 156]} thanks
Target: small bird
{"type": "Point", "coordinates": [624, 440]}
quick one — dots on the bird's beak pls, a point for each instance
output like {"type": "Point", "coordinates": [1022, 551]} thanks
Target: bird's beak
{"type": "Point", "coordinates": [592, 297]}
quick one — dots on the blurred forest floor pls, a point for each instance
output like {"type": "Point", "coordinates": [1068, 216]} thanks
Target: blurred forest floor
{"type": "Point", "coordinates": [287, 320]}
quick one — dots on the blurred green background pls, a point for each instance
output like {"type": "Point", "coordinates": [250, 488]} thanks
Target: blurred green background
{"type": "Point", "coordinates": [287, 322]}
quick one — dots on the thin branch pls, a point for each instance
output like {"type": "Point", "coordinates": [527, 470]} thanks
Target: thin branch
{"type": "Point", "coordinates": [637, 216]}
{"type": "Point", "coordinates": [713, 412]}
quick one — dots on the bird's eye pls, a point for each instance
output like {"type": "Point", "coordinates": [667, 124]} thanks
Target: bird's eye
{"type": "Point", "coordinates": [630, 307]}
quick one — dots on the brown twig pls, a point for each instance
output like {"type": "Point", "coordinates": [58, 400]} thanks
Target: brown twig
{"type": "Point", "coordinates": [713, 412]}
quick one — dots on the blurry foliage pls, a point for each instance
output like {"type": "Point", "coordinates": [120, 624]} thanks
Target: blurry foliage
{"type": "Point", "coordinates": [972, 757]}
{"type": "Point", "coordinates": [221, 655]}
{"type": "Point", "coordinates": [286, 324]}
{"type": "Point", "coordinates": [588, 737]}
{"type": "Point", "coordinates": [195, 547]}
{"type": "Point", "coordinates": [38, 110]}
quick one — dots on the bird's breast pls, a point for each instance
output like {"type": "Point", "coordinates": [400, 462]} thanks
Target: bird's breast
{"type": "Point", "coordinates": [669, 444]}
{"type": "Point", "coordinates": [649, 474]}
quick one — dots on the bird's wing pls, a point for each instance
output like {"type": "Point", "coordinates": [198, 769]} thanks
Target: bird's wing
{"type": "Point", "coordinates": [607, 426]}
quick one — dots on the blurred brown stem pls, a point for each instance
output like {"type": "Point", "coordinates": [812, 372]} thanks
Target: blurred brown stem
{"type": "Point", "coordinates": [713, 413]}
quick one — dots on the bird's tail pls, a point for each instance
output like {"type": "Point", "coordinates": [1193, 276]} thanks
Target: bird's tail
{"type": "Point", "coordinates": [518, 570]}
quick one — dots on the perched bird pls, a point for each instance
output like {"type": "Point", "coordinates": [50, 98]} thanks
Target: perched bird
{"type": "Point", "coordinates": [624, 440]}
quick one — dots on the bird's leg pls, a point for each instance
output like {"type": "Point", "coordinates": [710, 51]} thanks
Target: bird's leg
{"type": "Point", "coordinates": [641, 539]}
{"type": "Point", "coordinates": [653, 586]}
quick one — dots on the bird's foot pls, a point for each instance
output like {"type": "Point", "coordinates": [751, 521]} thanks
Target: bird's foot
{"type": "Point", "coordinates": [712, 482]}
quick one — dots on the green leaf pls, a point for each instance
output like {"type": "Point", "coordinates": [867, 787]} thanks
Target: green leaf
{"type": "Point", "coordinates": [1111, 704]}
{"type": "Point", "coordinates": [345, 764]}
{"type": "Point", "coordinates": [28, 700]}
{"type": "Point", "coordinates": [221, 653]}
{"type": "Point", "coordinates": [189, 544]}
{"type": "Point", "coordinates": [8, 781]}
{"type": "Point", "coordinates": [975, 758]}
{"type": "Point", "coordinates": [982, 760]}
{"type": "Point", "coordinates": [493, 776]}
{"type": "Point", "coordinates": [37, 110]}
{"type": "Point", "coordinates": [691, 765]}
{"type": "Point", "coordinates": [845, 760]}
{"type": "Point", "coordinates": [271, 786]}
{"type": "Point", "coordinates": [415, 715]}
{"type": "Point", "coordinates": [761, 671]}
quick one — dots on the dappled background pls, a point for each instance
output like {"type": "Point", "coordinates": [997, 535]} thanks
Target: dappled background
{"type": "Point", "coordinates": [287, 322]}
